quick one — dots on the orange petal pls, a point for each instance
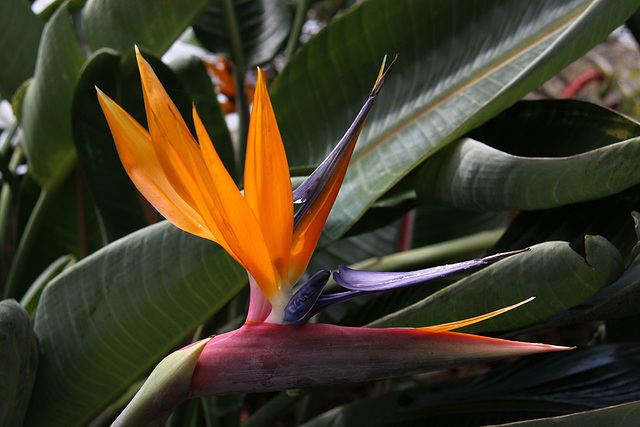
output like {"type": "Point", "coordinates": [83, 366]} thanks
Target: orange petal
{"type": "Point", "coordinates": [177, 151]}
{"type": "Point", "coordinates": [208, 187]}
{"type": "Point", "coordinates": [141, 163]}
{"type": "Point", "coordinates": [234, 217]}
{"type": "Point", "coordinates": [267, 184]}
{"type": "Point", "coordinates": [181, 142]}
{"type": "Point", "coordinates": [179, 155]}
{"type": "Point", "coordinates": [460, 323]}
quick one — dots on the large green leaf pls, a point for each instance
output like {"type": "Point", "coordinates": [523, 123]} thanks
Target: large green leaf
{"type": "Point", "coordinates": [552, 272]}
{"type": "Point", "coordinates": [18, 362]}
{"type": "Point", "coordinates": [20, 33]}
{"type": "Point", "coordinates": [47, 102]}
{"type": "Point", "coordinates": [263, 27]}
{"type": "Point", "coordinates": [539, 386]}
{"type": "Point", "coordinates": [110, 317]}
{"type": "Point", "coordinates": [618, 300]}
{"type": "Point", "coordinates": [460, 63]}
{"type": "Point", "coordinates": [119, 24]}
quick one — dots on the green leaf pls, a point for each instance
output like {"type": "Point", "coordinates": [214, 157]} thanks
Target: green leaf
{"type": "Point", "coordinates": [18, 362]}
{"type": "Point", "coordinates": [461, 62]}
{"type": "Point", "coordinates": [626, 415]}
{"type": "Point", "coordinates": [618, 300]}
{"type": "Point", "coordinates": [46, 105]}
{"type": "Point", "coordinates": [193, 75]}
{"type": "Point", "coordinates": [109, 318]}
{"type": "Point", "coordinates": [536, 386]}
{"type": "Point", "coordinates": [118, 201]}
{"type": "Point", "coordinates": [263, 25]}
{"type": "Point", "coordinates": [147, 23]}
{"type": "Point", "coordinates": [552, 272]}
{"type": "Point", "coordinates": [471, 175]}
{"type": "Point", "coordinates": [20, 32]}
{"type": "Point", "coordinates": [522, 165]}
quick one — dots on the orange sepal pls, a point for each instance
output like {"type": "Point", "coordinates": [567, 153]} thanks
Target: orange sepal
{"type": "Point", "coordinates": [267, 184]}
{"type": "Point", "coordinates": [141, 163]}
{"type": "Point", "coordinates": [234, 217]}
{"type": "Point", "coordinates": [466, 322]}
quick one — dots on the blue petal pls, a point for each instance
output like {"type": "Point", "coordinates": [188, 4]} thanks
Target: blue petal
{"type": "Point", "coordinates": [309, 190]}
{"type": "Point", "coordinates": [300, 306]}
{"type": "Point", "coordinates": [381, 281]}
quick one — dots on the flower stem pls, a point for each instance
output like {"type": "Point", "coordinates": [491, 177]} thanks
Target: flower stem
{"type": "Point", "coordinates": [296, 29]}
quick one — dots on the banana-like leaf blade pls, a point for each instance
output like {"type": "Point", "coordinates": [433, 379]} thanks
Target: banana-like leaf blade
{"type": "Point", "coordinates": [46, 105]}
{"type": "Point", "coordinates": [461, 62]}
{"type": "Point", "coordinates": [109, 318]}
{"type": "Point", "coordinates": [471, 175]}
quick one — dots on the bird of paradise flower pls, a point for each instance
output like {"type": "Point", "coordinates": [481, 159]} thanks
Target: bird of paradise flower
{"type": "Point", "coordinates": [276, 348]}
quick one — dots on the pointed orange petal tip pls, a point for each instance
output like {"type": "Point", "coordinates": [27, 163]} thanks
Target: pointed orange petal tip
{"type": "Point", "coordinates": [381, 72]}
{"type": "Point", "coordinates": [466, 322]}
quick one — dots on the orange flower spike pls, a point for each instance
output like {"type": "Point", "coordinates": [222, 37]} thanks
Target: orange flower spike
{"type": "Point", "coordinates": [161, 109]}
{"type": "Point", "coordinates": [237, 218]}
{"type": "Point", "coordinates": [205, 186]}
{"type": "Point", "coordinates": [143, 167]}
{"type": "Point", "coordinates": [267, 183]}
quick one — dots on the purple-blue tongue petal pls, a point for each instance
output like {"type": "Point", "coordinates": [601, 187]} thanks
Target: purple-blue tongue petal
{"type": "Point", "coordinates": [381, 281]}
{"type": "Point", "coordinates": [300, 307]}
